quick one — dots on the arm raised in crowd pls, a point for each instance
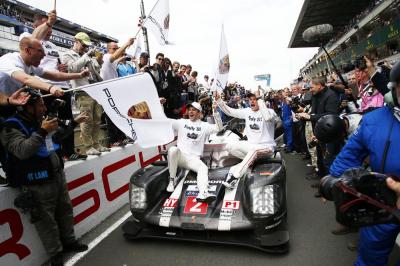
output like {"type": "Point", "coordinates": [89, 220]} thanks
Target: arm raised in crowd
{"type": "Point", "coordinates": [121, 50]}
{"type": "Point", "coordinates": [41, 31]}
{"type": "Point", "coordinates": [227, 110]}
{"type": "Point", "coordinates": [269, 115]}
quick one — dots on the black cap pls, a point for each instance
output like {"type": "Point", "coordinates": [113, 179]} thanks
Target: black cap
{"type": "Point", "coordinates": [328, 128]}
{"type": "Point", "coordinates": [35, 95]}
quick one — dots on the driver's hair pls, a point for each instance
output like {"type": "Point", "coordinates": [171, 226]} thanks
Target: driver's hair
{"type": "Point", "coordinates": [250, 94]}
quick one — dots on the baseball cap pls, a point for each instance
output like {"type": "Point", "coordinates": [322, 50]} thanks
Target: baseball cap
{"type": "Point", "coordinates": [83, 37]}
{"type": "Point", "coordinates": [195, 105]}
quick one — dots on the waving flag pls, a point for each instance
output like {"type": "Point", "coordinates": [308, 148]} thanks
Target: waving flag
{"type": "Point", "coordinates": [222, 72]}
{"type": "Point", "coordinates": [133, 105]}
{"type": "Point", "coordinates": [158, 21]}
{"type": "Point", "coordinates": [139, 47]}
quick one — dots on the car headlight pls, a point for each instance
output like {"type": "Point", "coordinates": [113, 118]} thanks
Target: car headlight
{"type": "Point", "coordinates": [138, 198]}
{"type": "Point", "coordinates": [263, 200]}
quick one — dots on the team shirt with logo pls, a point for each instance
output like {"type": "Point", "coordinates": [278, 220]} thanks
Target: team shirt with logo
{"type": "Point", "coordinates": [260, 125]}
{"type": "Point", "coordinates": [192, 135]}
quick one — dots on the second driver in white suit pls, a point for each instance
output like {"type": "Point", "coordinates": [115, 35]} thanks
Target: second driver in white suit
{"type": "Point", "coordinates": [259, 129]}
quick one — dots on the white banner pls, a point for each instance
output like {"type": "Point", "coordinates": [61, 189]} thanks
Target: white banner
{"type": "Point", "coordinates": [138, 47]}
{"type": "Point", "coordinates": [132, 103]}
{"type": "Point", "coordinates": [158, 21]}
{"type": "Point", "coordinates": [222, 72]}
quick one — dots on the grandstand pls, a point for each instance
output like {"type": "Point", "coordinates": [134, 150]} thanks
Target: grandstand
{"type": "Point", "coordinates": [363, 27]}
{"type": "Point", "coordinates": [16, 18]}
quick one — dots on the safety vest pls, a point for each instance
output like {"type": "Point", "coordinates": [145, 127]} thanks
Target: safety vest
{"type": "Point", "coordinates": [35, 170]}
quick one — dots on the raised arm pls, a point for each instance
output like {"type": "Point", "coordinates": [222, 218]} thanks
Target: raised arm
{"type": "Point", "coordinates": [237, 113]}
{"type": "Point", "coordinates": [269, 115]}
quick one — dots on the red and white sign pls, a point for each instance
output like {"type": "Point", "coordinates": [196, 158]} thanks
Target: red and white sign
{"type": "Point", "coordinates": [98, 187]}
{"type": "Point", "coordinates": [231, 204]}
{"type": "Point", "coordinates": [170, 203]}
{"type": "Point", "coordinates": [194, 207]}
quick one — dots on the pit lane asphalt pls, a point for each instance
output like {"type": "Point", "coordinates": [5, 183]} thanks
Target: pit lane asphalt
{"type": "Point", "coordinates": [311, 242]}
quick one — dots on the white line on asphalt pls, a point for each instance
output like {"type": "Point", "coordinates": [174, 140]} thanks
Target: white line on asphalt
{"type": "Point", "coordinates": [97, 240]}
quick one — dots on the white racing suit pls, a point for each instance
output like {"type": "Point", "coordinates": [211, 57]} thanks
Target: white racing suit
{"type": "Point", "coordinates": [189, 149]}
{"type": "Point", "coordinates": [259, 129]}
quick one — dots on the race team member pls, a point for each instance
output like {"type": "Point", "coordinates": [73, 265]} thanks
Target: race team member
{"type": "Point", "coordinates": [192, 134]}
{"type": "Point", "coordinates": [34, 166]}
{"type": "Point", "coordinates": [259, 129]}
{"type": "Point", "coordinates": [377, 137]}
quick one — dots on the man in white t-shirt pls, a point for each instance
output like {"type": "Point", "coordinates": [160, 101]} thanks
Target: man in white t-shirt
{"type": "Point", "coordinates": [192, 135]}
{"type": "Point", "coordinates": [110, 60]}
{"type": "Point", "coordinates": [109, 71]}
{"type": "Point", "coordinates": [259, 129]}
{"type": "Point", "coordinates": [42, 25]}
{"type": "Point", "coordinates": [19, 69]}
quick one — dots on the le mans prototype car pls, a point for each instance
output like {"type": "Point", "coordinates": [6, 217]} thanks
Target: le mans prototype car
{"type": "Point", "coordinates": [253, 214]}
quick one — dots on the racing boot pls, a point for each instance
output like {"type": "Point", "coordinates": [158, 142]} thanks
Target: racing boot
{"type": "Point", "coordinates": [171, 184]}
{"type": "Point", "coordinates": [205, 197]}
{"type": "Point", "coordinates": [230, 182]}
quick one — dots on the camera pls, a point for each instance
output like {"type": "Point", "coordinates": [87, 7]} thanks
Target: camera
{"type": "Point", "coordinates": [54, 107]}
{"type": "Point", "coordinates": [360, 63]}
{"type": "Point", "coordinates": [361, 197]}
{"type": "Point", "coordinates": [128, 58]}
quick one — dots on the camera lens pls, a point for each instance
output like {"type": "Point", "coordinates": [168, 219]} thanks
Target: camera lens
{"type": "Point", "coordinates": [326, 186]}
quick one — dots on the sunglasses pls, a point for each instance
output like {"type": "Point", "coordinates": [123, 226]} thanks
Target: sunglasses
{"type": "Point", "coordinates": [160, 58]}
{"type": "Point", "coordinates": [37, 49]}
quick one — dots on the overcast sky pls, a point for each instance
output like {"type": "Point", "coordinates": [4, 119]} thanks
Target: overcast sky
{"type": "Point", "coordinates": [257, 32]}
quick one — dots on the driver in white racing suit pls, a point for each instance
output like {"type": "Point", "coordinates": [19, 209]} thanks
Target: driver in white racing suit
{"type": "Point", "coordinates": [259, 129]}
{"type": "Point", "coordinates": [192, 134]}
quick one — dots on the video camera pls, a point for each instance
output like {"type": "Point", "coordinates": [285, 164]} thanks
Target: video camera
{"type": "Point", "coordinates": [361, 198]}
{"type": "Point", "coordinates": [53, 110]}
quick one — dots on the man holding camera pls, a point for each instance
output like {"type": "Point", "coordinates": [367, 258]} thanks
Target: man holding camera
{"type": "Point", "coordinates": [377, 138]}
{"type": "Point", "coordinates": [42, 25]}
{"type": "Point", "coordinates": [34, 165]}
{"type": "Point", "coordinates": [324, 101]}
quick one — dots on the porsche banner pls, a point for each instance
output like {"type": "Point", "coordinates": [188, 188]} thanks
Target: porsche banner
{"type": "Point", "coordinates": [158, 21]}
{"type": "Point", "coordinates": [133, 105]}
{"type": "Point", "coordinates": [222, 71]}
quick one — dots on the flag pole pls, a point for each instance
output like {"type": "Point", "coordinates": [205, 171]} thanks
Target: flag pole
{"type": "Point", "coordinates": [55, 5]}
{"type": "Point", "coordinates": [144, 30]}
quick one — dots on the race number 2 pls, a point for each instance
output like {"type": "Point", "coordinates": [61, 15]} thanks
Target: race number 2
{"type": "Point", "coordinates": [194, 207]}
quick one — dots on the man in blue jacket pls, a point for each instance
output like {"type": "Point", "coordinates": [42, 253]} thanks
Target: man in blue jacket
{"type": "Point", "coordinates": [378, 137]}
{"type": "Point", "coordinates": [287, 124]}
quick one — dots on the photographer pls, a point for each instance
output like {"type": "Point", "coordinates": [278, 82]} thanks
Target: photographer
{"type": "Point", "coordinates": [376, 242]}
{"type": "Point", "coordinates": [34, 166]}
{"type": "Point", "coordinates": [324, 101]}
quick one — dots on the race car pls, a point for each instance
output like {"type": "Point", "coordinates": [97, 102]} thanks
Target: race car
{"type": "Point", "coordinates": [253, 214]}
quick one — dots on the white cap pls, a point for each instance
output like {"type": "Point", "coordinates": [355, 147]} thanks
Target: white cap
{"type": "Point", "coordinates": [195, 105]}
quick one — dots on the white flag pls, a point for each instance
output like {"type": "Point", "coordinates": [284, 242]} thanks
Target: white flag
{"type": "Point", "coordinates": [133, 105]}
{"type": "Point", "coordinates": [158, 21]}
{"type": "Point", "coordinates": [139, 47]}
{"type": "Point", "coordinates": [222, 72]}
